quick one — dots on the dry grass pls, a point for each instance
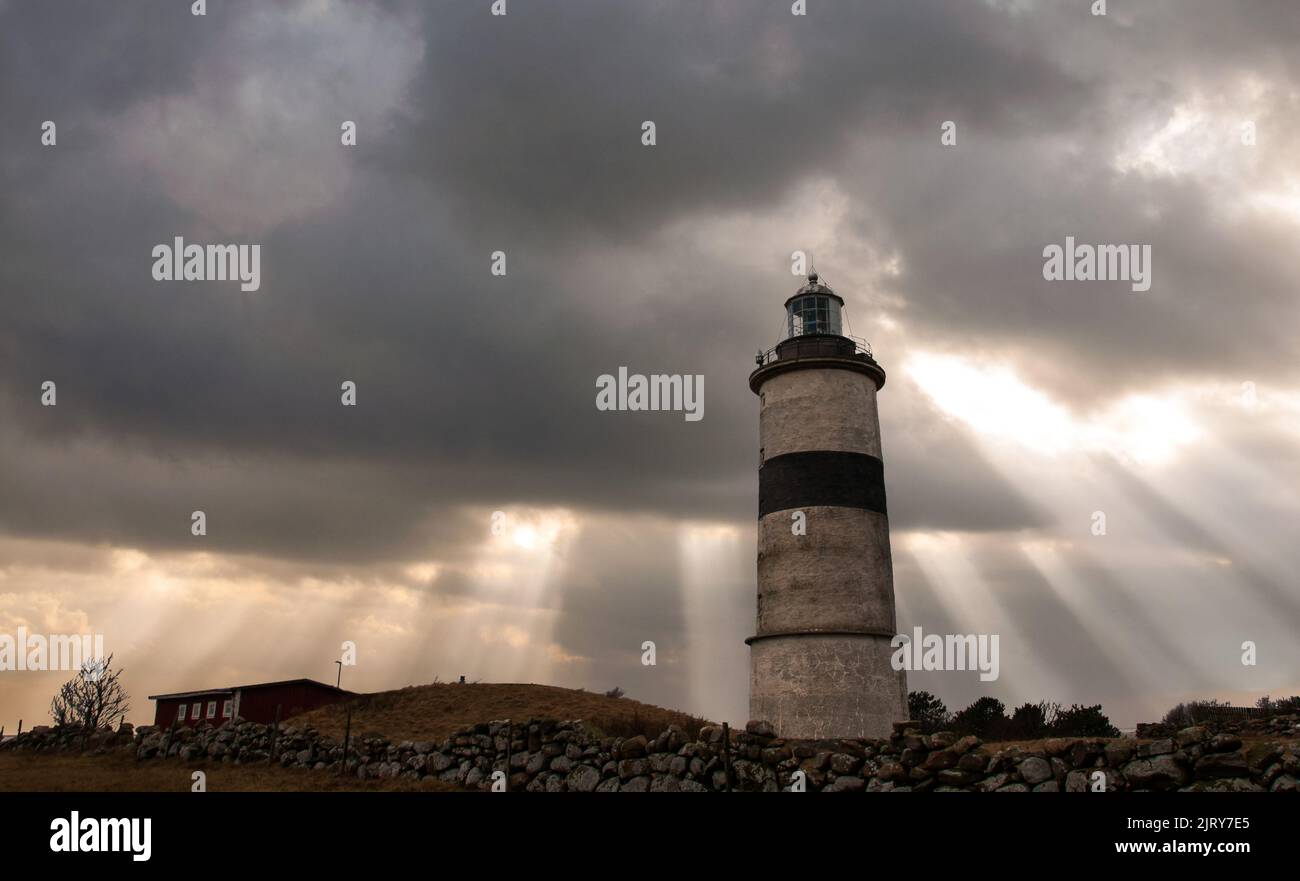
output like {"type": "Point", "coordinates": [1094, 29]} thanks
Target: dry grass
{"type": "Point", "coordinates": [120, 772]}
{"type": "Point", "coordinates": [435, 712]}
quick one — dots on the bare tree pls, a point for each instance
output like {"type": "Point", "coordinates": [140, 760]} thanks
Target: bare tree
{"type": "Point", "coordinates": [91, 699]}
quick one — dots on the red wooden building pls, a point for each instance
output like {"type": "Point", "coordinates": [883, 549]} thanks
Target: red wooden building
{"type": "Point", "coordinates": [256, 703]}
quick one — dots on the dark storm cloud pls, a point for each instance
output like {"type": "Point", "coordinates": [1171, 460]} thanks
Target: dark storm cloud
{"type": "Point", "coordinates": [64, 58]}
{"type": "Point", "coordinates": [523, 134]}
{"type": "Point", "coordinates": [534, 125]}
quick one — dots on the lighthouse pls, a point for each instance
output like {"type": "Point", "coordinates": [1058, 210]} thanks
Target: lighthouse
{"type": "Point", "coordinates": [820, 656]}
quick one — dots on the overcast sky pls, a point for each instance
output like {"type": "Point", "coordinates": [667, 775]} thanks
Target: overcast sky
{"type": "Point", "coordinates": [1016, 407]}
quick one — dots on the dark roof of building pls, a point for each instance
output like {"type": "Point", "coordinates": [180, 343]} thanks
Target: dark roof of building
{"type": "Point", "coordinates": [234, 688]}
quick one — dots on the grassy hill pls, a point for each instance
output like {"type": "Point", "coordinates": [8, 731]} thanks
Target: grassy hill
{"type": "Point", "coordinates": [120, 772]}
{"type": "Point", "coordinates": [434, 712]}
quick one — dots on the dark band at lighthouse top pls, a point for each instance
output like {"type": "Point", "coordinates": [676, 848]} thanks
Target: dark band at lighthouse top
{"type": "Point", "coordinates": [822, 477]}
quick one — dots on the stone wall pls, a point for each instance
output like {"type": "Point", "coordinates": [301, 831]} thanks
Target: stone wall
{"type": "Point", "coordinates": [549, 756]}
{"type": "Point", "coordinates": [1282, 725]}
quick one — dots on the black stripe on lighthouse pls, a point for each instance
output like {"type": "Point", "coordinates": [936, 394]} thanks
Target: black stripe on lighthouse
{"type": "Point", "coordinates": [821, 477]}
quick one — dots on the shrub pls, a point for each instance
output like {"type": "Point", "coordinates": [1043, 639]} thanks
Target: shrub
{"type": "Point", "coordinates": [1187, 714]}
{"type": "Point", "coordinates": [1081, 721]}
{"type": "Point", "coordinates": [1280, 707]}
{"type": "Point", "coordinates": [91, 699]}
{"type": "Point", "coordinates": [986, 718]}
{"type": "Point", "coordinates": [1032, 721]}
{"type": "Point", "coordinates": [928, 710]}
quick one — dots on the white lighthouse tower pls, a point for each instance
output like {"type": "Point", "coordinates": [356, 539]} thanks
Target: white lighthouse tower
{"type": "Point", "coordinates": [820, 656]}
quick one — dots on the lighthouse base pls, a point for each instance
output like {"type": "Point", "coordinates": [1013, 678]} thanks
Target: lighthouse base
{"type": "Point", "coordinates": [826, 685]}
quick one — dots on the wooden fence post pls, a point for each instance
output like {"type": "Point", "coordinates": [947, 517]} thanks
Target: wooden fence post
{"type": "Point", "coordinates": [510, 736]}
{"type": "Point", "coordinates": [726, 754]}
{"type": "Point", "coordinates": [347, 734]}
{"type": "Point", "coordinates": [275, 734]}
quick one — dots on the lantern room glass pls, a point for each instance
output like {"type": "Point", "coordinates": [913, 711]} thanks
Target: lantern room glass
{"type": "Point", "coordinates": [813, 314]}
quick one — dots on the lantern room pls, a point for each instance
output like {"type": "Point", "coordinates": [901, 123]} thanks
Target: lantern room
{"type": "Point", "coordinates": [814, 309]}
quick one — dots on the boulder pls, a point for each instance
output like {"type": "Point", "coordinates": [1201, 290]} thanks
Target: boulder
{"type": "Point", "coordinates": [940, 760]}
{"type": "Point", "coordinates": [665, 783]}
{"type": "Point", "coordinates": [1221, 765]}
{"type": "Point", "coordinates": [633, 747]}
{"type": "Point", "coordinates": [583, 778]}
{"type": "Point", "coordinates": [629, 768]}
{"type": "Point", "coordinates": [892, 772]}
{"type": "Point", "coordinates": [661, 762]}
{"type": "Point", "coordinates": [711, 734]}
{"type": "Point", "coordinates": [1260, 755]}
{"type": "Point", "coordinates": [1224, 743]}
{"type": "Point", "coordinates": [1059, 746]}
{"type": "Point", "coordinates": [751, 775]}
{"type": "Point", "coordinates": [843, 763]}
{"type": "Point", "coordinates": [1118, 753]}
{"type": "Point", "coordinates": [846, 783]}
{"type": "Point", "coordinates": [1155, 748]}
{"type": "Point", "coordinates": [1189, 736]}
{"type": "Point", "coordinates": [1285, 783]}
{"type": "Point", "coordinates": [1034, 770]}
{"type": "Point", "coordinates": [1160, 772]}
